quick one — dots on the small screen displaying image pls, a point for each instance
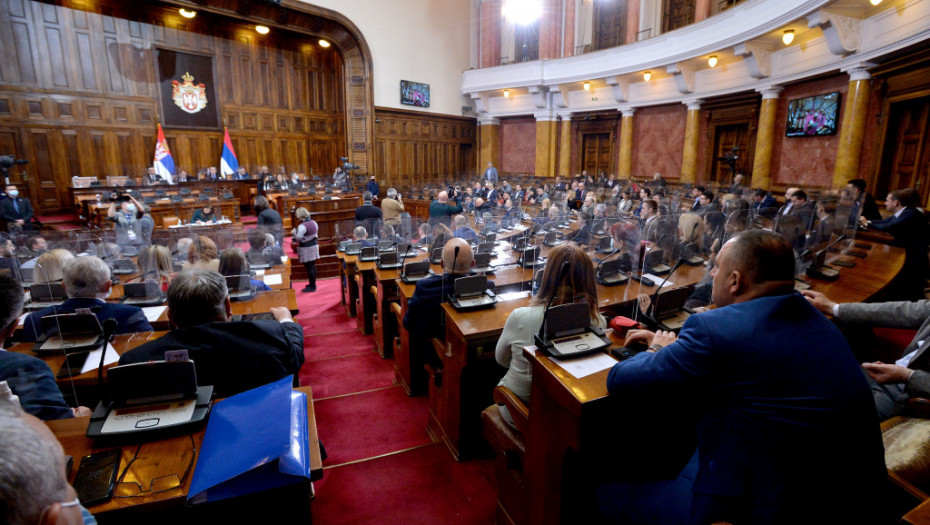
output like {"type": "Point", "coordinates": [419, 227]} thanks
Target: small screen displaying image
{"type": "Point", "coordinates": [813, 116]}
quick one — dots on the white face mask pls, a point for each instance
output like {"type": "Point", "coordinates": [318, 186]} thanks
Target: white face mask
{"type": "Point", "coordinates": [131, 208]}
{"type": "Point", "coordinates": [13, 193]}
{"type": "Point", "coordinates": [103, 296]}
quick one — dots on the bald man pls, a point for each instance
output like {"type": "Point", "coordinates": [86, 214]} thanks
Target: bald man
{"type": "Point", "coordinates": [424, 316]}
{"type": "Point", "coordinates": [440, 211]}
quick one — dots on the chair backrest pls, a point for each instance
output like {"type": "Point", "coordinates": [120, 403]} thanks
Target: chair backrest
{"type": "Point", "coordinates": [169, 221]}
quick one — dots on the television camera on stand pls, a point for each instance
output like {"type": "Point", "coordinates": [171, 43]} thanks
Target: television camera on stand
{"type": "Point", "coordinates": [349, 168]}
{"type": "Point", "coordinates": [7, 162]}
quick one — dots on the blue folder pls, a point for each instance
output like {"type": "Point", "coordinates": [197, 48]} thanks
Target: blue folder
{"type": "Point", "coordinates": [255, 441]}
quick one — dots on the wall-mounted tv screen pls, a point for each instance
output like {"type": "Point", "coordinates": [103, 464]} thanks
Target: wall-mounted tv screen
{"type": "Point", "coordinates": [414, 93]}
{"type": "Point", "coordinates": [813, 116]}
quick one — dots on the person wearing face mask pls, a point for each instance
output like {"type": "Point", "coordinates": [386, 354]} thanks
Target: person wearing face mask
{"type": "Point", "coordinates": [124, 212]}
{"type": "Point", "coordinates": [87, 285]}
{"type": "Point", "coordinates": [16, 210]}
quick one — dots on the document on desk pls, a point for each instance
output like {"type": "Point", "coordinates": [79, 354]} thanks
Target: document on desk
{"type": "Point", "coordinates": [22, 319]}
{"type": "Point", "coordinates": [274, 278]}
{"type": "Point", "coordinates": [149, 416]}
{"type": "Point", "coordinates": [585, 366]}
{"type": "Point", "coordinates": [657, 279]}
{"type": "Point", "coordinates": [93, 359]}
{"type": "Point", "coordinates": [152, 313]}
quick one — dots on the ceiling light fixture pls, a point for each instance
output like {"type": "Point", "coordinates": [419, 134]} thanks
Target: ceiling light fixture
{"type": "Point", "coordinates": [324, 44]}
{"type": "Point", "coordinates": [788, 36]}
{"type": "Point", "coordinates": [587, 86]}
{"type": "Point", "coordinates": [875, 2]}
{"type": "Point", "coordinates": [262, 30]}
{"type": "Point", "coordinates": [647, 75]}
{"type": "Point", "coordinates": [712, 61]}
{"type": "Point", "coordinates": [522, 12]}
{"type": "Point", "coordinates": [187, 14]}
{"type": "Point", "coordinates": [506, 93]}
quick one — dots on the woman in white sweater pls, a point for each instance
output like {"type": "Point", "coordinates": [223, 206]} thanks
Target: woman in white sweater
{"type": "Point", "coordinates": [577, 286]}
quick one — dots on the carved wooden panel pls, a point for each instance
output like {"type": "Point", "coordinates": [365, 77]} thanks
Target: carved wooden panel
{"type": "Point", "coordinates": [678, 13]}
{"type": "Point", "coordinates": [609, 24]}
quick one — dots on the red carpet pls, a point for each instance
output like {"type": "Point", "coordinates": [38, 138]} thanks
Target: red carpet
{"type": "Point", "coordinates": [335, 377]}
{"type": "Point", "coordinates": [370, 424]}
{"type": "Point", "coordinates": [334, 345]}
{"type": "Point", "coordinates": [419, 486]}
{"type": "Point", "coordinates": [331, 325]}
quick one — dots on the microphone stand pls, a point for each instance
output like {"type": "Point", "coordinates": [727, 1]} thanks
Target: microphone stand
{"type": "Point", "coordinates": [109, 328]}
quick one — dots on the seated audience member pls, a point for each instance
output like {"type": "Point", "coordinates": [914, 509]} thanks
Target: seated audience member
{"type": "Point", "coordinates": [264, 243]}
{"type": "Point", "coordinates": [388, 233]}
{"type": "Point", "coordinates": [205, 214]}
{"type": "Point", "coordinates": [34, 486]}
{"type": "Point", "coordinates": [802, 208]}
{"type": "Point", "coordinates": [737, 187]}
{"type": "Point", "coordinates": [426, 235]}
{"type": "Point", "coordinates": [8, 260]}
{"type": "Point", "coordinates": [909, 376]}
{"type": "Point", "coordinates": [481, 206]}
{"type": "Point", "coordinates": [908, 227]}
{"type": "Point", "coordinates": [440, 211]}
{"type": "Point", "coordinates": [583, 234]}
{"type": "Point", "coordinates": [108, 251]}
{"type": "Point", "coordinates": [233, 262]}
{"type": "Point", "coordinates": [87, 283]}
{"type": "Point", "coordinates": [462, 231]}
{"type": "Point", "coordinates": [35, 246]}
{"type": "Point", "coordinates": [869, 206]}
{"type": "Point", "coordinates": [50, 265]}
{"type": "Point", "coordinates": [762, 200]}
{"type": "Point", "coordinates": [782, 428]}
{"type": "Point", "coordinates": [27, 376]}
{"type": "Point", "coordinates": [273, 250]}
{"type": "Point", "coordinates": [202, 255]}
{"type": "Point", "coordinates": [706, 202]}
{"type": "Point", "coordinates": [182, 249]}
{"type": "Point", "coordinates": [424, 317]}
{"type": "Point", "coordinates": [625, 205]}
{"type": "Point", "coordinates": [645, 193]}
{"type": "Point", "coordinates": [155, 265]}
{"type": "Point", "coordinates": [233, 356]}
{"type": "Point", "coordinates": [360, 234]}
{"type": "Point", "coordinates": [824, 223]}
{"type": "Point", "coordinates": [577, 286]}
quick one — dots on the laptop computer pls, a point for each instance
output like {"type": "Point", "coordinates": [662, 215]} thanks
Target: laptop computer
{"type": "Point", "coordinates": [435, 257]}
{"type": "Point", "coordinates": [146, 293]}
{"type": "Point", "coordinates": [603, 245]}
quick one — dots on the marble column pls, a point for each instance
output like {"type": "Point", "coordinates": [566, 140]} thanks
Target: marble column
{"type": "Point", "coordinates": [545, 143]}
{"type": "Point", "coordinates": [565, 145]}
{"type": "Point", "coordinates": [853, 127]}
{"type": "Point", "coordinates": [490, 33]}
{"type": "Point", "coordinates": [765, 139]}
{"type": "Point", "coordinates": [568, 36]}
{"type": "Point", "coordinates": [701, 10]}
{"type": "Point", "coordinates": [489, 135]}
{"type": "Point", "coordinates": [625, 158]}
{"type": "Point", "coordinates": [692, 129]}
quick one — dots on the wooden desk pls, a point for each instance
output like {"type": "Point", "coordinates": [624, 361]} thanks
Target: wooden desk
{"type": "Point", "coordinates": [348, 282]}
{"type": "Point", "coordinates": [161, 457]}
{"type": "Point", "coordinates": [97, 213]}
{"type": "Point", "coordinates": [365, 302]}
{"type": "Point", "coordinates": [578, 412]}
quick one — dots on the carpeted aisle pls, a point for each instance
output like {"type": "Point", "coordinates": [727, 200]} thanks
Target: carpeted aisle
{"type": "Point", "coordinates": [382, 465]}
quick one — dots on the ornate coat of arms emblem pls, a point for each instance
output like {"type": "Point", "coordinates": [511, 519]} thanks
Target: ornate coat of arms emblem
{"type": "Point", "coordinates": [187, 96]}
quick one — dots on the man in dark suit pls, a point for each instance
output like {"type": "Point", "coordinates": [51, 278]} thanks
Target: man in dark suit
{"type": "Point", "coordinates": [696, 192]}
{"type": "Point", "coordinates": [869, 207]}
{"type": "Point", "coordinates": [559, 184]}
{"type": "Point", "coordinates": [491, 194]}
{"type": "Point", "coordinates": [802, 208]}
{"type": "Point", "coordinates": [152, 177]}
{"type": "Point", "coordinates": [233, 356]}
{"type": "Point", "coordinates": [784, 417]}
{"type": "Point", "coordinates": [86, 281]}
{"type": "Point", "coordinates": [908, 227]}
{"type": "Point", "coordinates": [16, 210]}
{"type": "Point", "coordinates": [762, 200]}
{"type": "Point", "coordinates": [28, 377]}
{"type": "Point", "coordinates": [242, 174]}
{"type": "Point", "coordinates": [372, 186]}
{"type": "Point", "coordinates": [368, 215]}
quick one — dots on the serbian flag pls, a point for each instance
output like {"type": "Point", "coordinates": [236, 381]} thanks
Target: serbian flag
{"type": "Point", "coordinates": [228, 163]}
{"type": "Point", "coordinates": [164, 164]}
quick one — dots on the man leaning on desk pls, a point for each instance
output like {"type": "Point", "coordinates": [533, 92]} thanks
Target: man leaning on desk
{"type": "Point", "coordinates": [87, 283]}
{"type": "Point", "coordinates": [233, 356]}
{"type": "Point", "coordinates": [785, 422]}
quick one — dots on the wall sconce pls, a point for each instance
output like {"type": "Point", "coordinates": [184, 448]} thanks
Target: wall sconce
{"type": "Point", "coordinates": [187, 14]}
{"type": "Point", "coordinates": [324, 44]}
{"type": "Point", "coordinates": [647, 75]}
{"type": "Point", "coordinates": [788, 36]}
{"type": "Point", "coordinates": [712, 61]}
{"type": "Point", "coordinates": [875, 2]}
{"type": "Point", "coordinates": [506, 93]}
{"type": "Point", "coordinates": [262, 30]}
{"type": "Point", "coordinates": [587, 86]}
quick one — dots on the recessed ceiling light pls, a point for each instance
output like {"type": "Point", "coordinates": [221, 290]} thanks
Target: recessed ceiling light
{"type": "Point", "coordinates": [647, 75]}
{"type": "Point", "coordinates": [324, 43]}
{"type": "Point", "coordinates": [712, 61]}
{"type": "Point", "coordinates": [187, 14]}
{"type": "Point", "coordinates": [788, 36]}
{"type": "Point", "coordinates": [262, 30]}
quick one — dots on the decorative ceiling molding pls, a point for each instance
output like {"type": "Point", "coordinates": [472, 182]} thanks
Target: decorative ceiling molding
{"type": "Point", "coordinates": [620, 87]}
{"type": "Point", "coordinates": [684, 76]}
{"type": "Point", "coordinates": [843, 33]}
{"type": "Point", "coordinates": [481, 102]}
{"type": "Point", "coordinates": [757, 56]}
{"type": "Point", "coordinates": [539, 94]}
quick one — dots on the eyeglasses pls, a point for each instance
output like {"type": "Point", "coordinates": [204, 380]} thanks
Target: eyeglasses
{"type": "Point", "coordinates": [133, 489]}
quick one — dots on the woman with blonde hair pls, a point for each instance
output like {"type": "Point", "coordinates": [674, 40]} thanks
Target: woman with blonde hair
{"type": "Point", "coordinates": [49, 266]}
{"type": "Point", "coordinates": [155, 265]}
{"type": "Point", "coordinates": [202, 255]}
{"type": "Point", "coordinates": [307, 249]}
{"type": "Point", "coordinates": [578, 285]}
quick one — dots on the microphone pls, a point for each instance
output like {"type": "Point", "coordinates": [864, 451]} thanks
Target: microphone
{"type": "Point", "coordinates": [597, 271]}
{"type": "Point", "coordinates": [558, 283]}
{"type": "Point", "coordinates": [455, 257]}
{"type": "Point", "coordinates": [109, 328]}
{"type": "Point", "coordinates": [655, 296]}
{"type": "Point", "coordinates": [403, 258]}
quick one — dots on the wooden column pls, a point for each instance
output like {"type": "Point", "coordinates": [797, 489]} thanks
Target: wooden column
{"type": "Point", "coordinates": [489, 134]}
{"type": "Point", "coordinates": [545, 144]}
{"type": "Point", "coordinates": [765, 138]}
{"type": "Point", "coordinates": [490, 33]}
{"type": "Point", "coordinates": [853, 127]}
{"type": "Point", "coordinates": [625, 158]}
{"type": "Point", "coordinates": [692, 127]}
{"type": "Point", "coordinates": [565, 145]}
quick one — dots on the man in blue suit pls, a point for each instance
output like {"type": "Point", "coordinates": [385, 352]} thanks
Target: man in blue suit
{"type": "Point", "coordinates": [909, 228]}
{"type": "Point", "coordinates": [87, 282]}
{"type": "Point", "coordinates": [762, 200]}
{"type": "Point", "coordinates": [784, 417]}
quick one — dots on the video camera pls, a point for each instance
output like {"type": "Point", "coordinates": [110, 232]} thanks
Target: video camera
{"type": "Point", "coordinates": [346, 165]}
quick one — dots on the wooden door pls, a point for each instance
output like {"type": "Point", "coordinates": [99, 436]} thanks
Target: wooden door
{"type": "Point", "coordinates": [906, 148]}
{"type": "Point", "coordinates": [725, 138]}
{"type": "Point", "coordinates": [596, 150]}
{"type": "Point", "coordinates": [677, 13]}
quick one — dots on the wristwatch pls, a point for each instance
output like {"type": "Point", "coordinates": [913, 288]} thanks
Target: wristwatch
{"type": "Point", "coordinates": [656, 348]}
